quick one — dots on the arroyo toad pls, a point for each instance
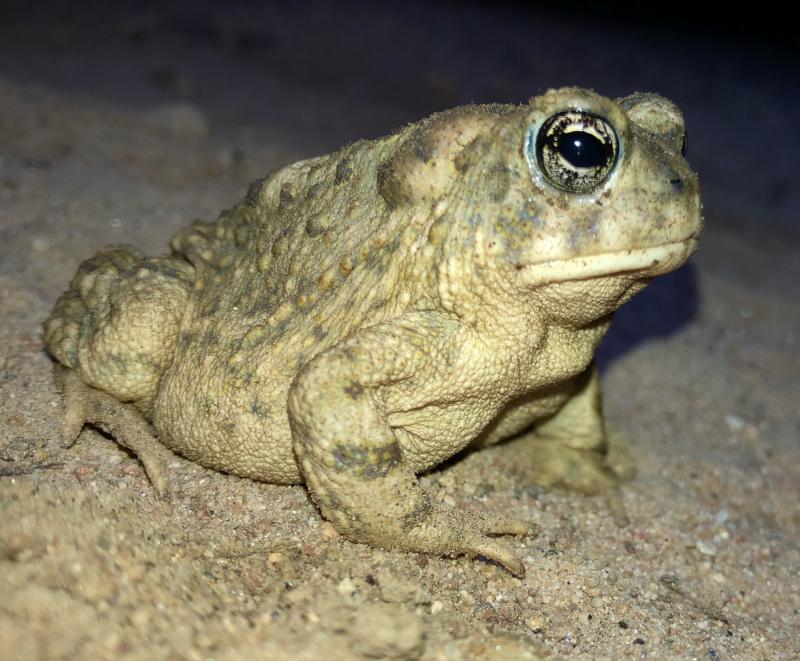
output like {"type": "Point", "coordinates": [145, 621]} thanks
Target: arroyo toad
{"type": "Point", "coordinates": [362, 316]}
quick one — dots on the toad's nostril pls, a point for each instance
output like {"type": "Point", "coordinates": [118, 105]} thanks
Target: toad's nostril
{"type": "Point", "coordinates": [677, 184]}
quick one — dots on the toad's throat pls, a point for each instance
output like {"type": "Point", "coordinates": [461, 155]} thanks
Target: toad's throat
{"type": "Point", "coordinates": [648, 262]}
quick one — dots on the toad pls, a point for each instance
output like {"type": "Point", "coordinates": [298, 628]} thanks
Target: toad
{"type": "Point", "coordinates": [363, 316]}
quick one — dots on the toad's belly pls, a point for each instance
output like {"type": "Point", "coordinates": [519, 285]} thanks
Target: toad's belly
{"type": "Point", "coordinates": [229, 421]}
{"type": "Point", "coordinates": [232, 417]}
{"type": "Point", "coordinates": [246, 431]}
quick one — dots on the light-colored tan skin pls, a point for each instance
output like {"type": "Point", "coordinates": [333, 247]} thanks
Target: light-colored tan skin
{"type": "Point", "coordinates": [362, 316]}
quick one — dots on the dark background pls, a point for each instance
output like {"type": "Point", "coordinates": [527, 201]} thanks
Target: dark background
{"type": "Point", "coordinates": [324, 73]}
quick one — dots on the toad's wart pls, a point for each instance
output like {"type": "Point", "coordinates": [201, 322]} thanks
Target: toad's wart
{"type": "Point", "coordinates": [362, 316]}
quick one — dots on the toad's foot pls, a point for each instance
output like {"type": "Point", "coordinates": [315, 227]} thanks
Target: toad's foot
{"type": "Point", "coordinates": [548, 462]}
{"type": "Point", "coordinates": [392, 511]}
{"type": "Point", "coordinates": [84, 404]}
{"type": "Point", "coordinates": [454, 532]}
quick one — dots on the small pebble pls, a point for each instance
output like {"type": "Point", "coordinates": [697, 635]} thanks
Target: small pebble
{"type": "Point", "coordinates": [706, 548]}
{"type": "Point", "coordinates": [346, 587]}
{"type": "Point", "coordinates": [734, 422]}
{"type": "Point", "coordinates": [536, 623]}
{"type": "Point", "coordinates": [328, 532]}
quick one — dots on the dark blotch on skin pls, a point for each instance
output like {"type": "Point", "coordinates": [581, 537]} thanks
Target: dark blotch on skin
{"type": "Point", "coordinates": [254, 191]}
{"type": "Point", "coordinates": [259, 410]}
{"type": "Point", "coordinates": [416, 516]}
{"type": "Point", "coordinates": [354, 390]}
{"type": "Point", "coordinates": [497, 181]}
{"type": "Point", "coordinates": [317, 225]}
{"type": "Point", "coordinates": [344, 170]}
{"type": "Point", "coordinates": [369, 463]}
{"type": "Point", "coordinates": [391, 185]}
{"type": "Point", "coordinates": [314, 189]}
{"type": "Point", "coordinates": [466, 158]}
{"type": "Point", "coordinates": [420, 146]}
{"type": "Point", "coordinates": [287, 194]}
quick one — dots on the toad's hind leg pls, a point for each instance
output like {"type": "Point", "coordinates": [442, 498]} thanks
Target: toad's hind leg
{"type": "Point", "coordinates": [84, 404]}
{"type": "Point", "coordinates": [118, 323]}
{"type": "Point", "coordinates": [116, 328]}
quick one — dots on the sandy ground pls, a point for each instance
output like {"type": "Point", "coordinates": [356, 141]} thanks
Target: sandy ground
{"type": "Point", "coordinates": [123, 126]}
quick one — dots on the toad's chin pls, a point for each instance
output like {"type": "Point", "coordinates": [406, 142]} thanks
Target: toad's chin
{"type": "Point", "coordinates": [646, 262]}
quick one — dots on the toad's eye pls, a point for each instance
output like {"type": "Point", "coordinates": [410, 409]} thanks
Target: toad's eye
{"type": "Point", "coordinates": [576, 150]}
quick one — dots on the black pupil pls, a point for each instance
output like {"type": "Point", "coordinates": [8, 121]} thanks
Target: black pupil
{"type": "Point", "coordinates": [584, 150]}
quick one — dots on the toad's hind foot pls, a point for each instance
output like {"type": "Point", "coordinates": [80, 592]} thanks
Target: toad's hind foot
{"type": "Point", "coordinates": [549, 463]}
{"type": "Point", "coordinates": [124, 422]}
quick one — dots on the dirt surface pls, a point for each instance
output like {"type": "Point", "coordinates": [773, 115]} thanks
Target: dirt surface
{"type": "Point", "coordinates": [120, 126]}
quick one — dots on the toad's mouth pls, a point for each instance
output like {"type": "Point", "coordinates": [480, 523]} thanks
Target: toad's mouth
{"type": "Point", "coordinates": [647, 262]}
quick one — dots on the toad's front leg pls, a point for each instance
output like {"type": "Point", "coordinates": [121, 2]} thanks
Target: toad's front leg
{"type": "Point", "coordinates": [352, 462]}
